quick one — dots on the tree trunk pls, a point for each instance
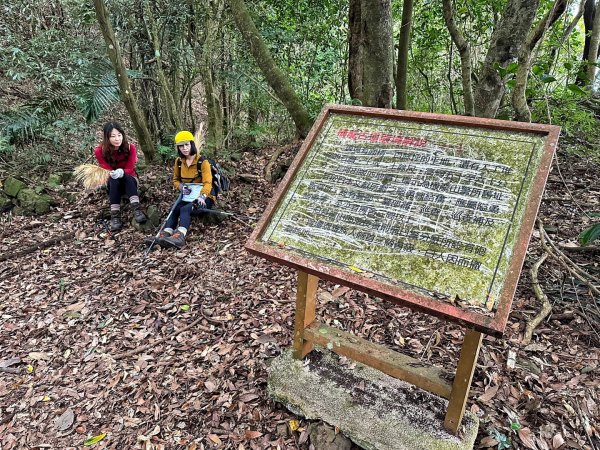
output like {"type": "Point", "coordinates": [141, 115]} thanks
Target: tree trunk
{"type": "Point", "coordinates": [453, 107]}
{"type": "Point", "coordinates": [378, 53]}
{"type": "Point", "coordinates": [594, 45]}
{"type": "Point", "coordinates": [355, 51]}
{"type": "Point", "coordinates": [252, 123]}
{"type": "Point", "coordinates": [403, 45]}
{"type": "Point", "coordinates": [172, 112]}
{"type": "Point", "coordinates": [519, 99]}
{"type": "Point", "coordinates": [275, 77]}
{"type": "Point", "coordinates": [576, 18]}
{"type": "Point", "coordinates": [214, 133]}
{"type": "Point", "coordinates": [465, 57]}
{"type": "Point", "coordinates": [588, 23]}
{"type": "Point", "coordinates": [506, 41]}
{"type": "Point", "coordinates": [114, 52]}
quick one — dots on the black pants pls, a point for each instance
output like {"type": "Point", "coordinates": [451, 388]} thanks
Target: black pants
{"type": "Point", "coordinates": [125, 185]}
{"type": "Point", "coordinates": [184, 212]}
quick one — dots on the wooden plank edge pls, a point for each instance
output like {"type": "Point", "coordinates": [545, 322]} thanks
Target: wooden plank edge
{"type": "Point", "coordinates": [394, 364]}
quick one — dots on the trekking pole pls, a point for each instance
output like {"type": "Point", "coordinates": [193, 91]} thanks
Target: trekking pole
{"type": "Point", "coordinates": [223, 213]}
{"type": "Point", "coordinates": [215, 211]}
{"type": "Point", "coordinates": [163, 225]}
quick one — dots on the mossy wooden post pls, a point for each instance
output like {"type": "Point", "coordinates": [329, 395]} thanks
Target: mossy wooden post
{"type": "Point", "coordinates": [462, 380]}
{"type": "Point", "coordinates": [305, 312]}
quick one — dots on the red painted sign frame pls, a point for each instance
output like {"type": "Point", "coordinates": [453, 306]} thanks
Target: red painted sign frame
{"type": "Point", "coordinates": [490, 324]}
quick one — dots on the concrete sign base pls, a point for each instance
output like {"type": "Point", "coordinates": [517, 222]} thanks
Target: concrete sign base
{"type": "Point", "coordinates": [376, 411]}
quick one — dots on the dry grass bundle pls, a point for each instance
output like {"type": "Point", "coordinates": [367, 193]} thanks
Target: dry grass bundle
{"type": "Point", "coordinates": [91, 175]}
{"type": "Point", "coordinates": [199, 135]}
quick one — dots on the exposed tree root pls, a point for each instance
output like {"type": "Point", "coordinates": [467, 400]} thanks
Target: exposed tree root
{"type": "Point", "coordinates": [248, 177]}
{"type": "Point", "coordinates": [40, 246]}
{"type": "Point", "coordinates": [552, 250]}
{"type": "Point", "coordinates": [28, 227]}
{"type": "Point", "coordinates": [269, 166]}
{"type": "Point", "coordinates": [542, 297]}
{"type": "Point", "coordinates": [566, 262]}
{"type": "Point", "coordinates": [589, 249]}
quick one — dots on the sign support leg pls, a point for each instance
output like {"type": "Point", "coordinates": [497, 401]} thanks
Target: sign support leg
{"type": "Point", "coordinates": [462, 380]}
{"type": "Point", "coordinates": [305, 312]}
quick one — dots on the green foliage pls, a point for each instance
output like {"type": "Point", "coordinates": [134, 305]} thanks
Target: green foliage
{"type": "Point", "coordinates": [308, 40]}
{"type": "Point", "coordinates": [567, 110]}
{"type": "Point", "coordinates": [590, 234]}
{"type": "Point", "coordinates": [23, 124]}
{"type": "Point", "coordinates": [165, 153]}
{"type": "Point", "coordinates": [502, 439]}
{"type": "Point", "coordinates": [52, 50]}
{"type": "Point", "coordinates": [94, 100]}
{"type": "Point", "coordinates": [5, 145]}
{"type": "Point", "coordinates": [576, 89]}
{"type": "Point", "coordinates": [55, 51]}
{"type": "Point", "coordinates": [41, 159]}
{"type": "Point", "coordinates": [515, 426]}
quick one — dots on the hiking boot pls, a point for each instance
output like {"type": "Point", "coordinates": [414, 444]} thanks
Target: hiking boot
{"type": "Point", "coordinates": [115, 221]}
{"type": "Point", "coordinates": [138, 215]}
{"type": "Point", "coordinates": [176, 240]}
{"type": "Point", "coordinates": [158, 240]}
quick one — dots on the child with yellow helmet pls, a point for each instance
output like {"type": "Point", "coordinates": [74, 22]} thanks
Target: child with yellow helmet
{"type": "Point", "coordinates": [187, 169]}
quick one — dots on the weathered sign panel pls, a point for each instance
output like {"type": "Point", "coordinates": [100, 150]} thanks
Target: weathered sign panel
{"type": "Point", "coordinates": [429, 210]}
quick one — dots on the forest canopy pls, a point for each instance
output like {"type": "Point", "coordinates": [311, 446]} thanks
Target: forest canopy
{"type": "Point", "coordinates": [199, 62]}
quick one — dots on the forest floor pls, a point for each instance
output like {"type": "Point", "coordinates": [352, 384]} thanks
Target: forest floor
{"type": "Point", "coordinates": [93, 335]}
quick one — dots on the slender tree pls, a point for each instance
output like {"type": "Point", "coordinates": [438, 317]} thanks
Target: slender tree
{"type": "Point", "coordinates": [589, 12]}
{"type": "Point", "coordinates": [172, 112]}
{"type": "Point", "coordinates": [214, 107]}
{"type": "Point", "coordinates": [355, 50]}
{"type": "Point", "coordinates": [114, 53]}
{"type": "Point", "coordinates": [507, 39]}
{"type": "Point", "coordinates": [464, 51]}
{"type": "Point", "coordinates": [519, 100]}
{"type": "Point", "coordinates": [274, 76]}
{"type": "Point", "coordinates": [403, 45]}
{"type": "Point", "coordinates": [594, 46]}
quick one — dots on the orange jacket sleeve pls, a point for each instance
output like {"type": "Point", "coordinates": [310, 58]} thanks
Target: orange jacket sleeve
{"type": "Point", "coordinates": [206, 178]}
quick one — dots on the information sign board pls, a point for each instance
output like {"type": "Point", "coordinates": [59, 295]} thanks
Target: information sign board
{"type": "Point", "coordinates": [429, 210]}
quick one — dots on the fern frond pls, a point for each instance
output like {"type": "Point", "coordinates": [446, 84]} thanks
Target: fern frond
{"type": "Point", "coordinates": [102, 91]}
{"type": "Point", "coordinates": [97, 99]}
{"type": "Point", "coordinates": [29, 119]}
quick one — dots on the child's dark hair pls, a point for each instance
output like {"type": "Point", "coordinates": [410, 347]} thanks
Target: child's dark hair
{"type": "Point", "coordinates": [193, 150]}
{"type": "Point", "coordinates": [107, 151]}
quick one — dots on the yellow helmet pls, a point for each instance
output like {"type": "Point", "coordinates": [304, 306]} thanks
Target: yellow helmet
{"type": "Point", "coordinates": [183, 136]}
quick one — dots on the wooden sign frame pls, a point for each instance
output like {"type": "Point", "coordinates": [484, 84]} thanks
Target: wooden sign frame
{"type": "Point", "coordinates": [492, 324]}
{"type": "Point", "coordinates": [308, 332]}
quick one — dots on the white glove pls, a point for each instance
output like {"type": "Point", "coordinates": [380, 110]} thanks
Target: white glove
{"type": "Point", "coordinates": [117, 173]}
{"type": "Point", "coordinates": [201, 200]}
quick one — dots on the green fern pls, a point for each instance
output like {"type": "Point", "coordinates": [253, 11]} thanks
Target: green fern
{"type": "Point", "coordinates": [5, 146]}
{"type": "Point", "coordinates": [102, 91]}
{"type": "Point", "coordinates": [93, 97]}
{"type": "Point", "coordinates": [93, 102]}
{"type": "Point", "coordinates": [24, 123]}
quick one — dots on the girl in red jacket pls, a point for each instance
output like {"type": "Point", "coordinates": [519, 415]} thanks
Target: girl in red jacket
{"type": "Point", "coordinates": [119, 156]}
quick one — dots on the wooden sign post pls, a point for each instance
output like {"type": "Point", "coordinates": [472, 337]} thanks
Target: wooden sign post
{"type": "Point", "coordinates": [429, 211]}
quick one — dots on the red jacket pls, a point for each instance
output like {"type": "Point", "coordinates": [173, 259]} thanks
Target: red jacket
{"type": "Point", "coordinates": [121, 161]}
